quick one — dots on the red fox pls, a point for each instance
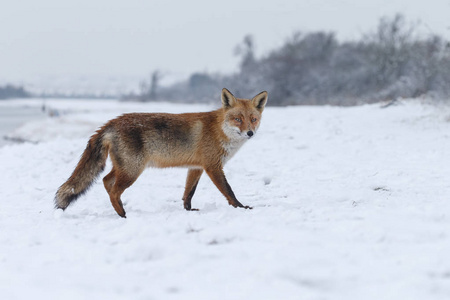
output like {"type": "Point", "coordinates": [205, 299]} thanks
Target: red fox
{"type": "Point", "coordinates": [199, 141]}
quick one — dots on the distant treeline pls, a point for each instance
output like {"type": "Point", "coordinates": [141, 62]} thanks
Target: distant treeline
{"type": "Point", "coordinates": [314, 68]}
{"type": "Point", "coordinates": [11, 91]}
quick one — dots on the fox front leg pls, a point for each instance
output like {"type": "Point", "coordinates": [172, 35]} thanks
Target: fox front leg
{"type": "Point", "coordinates": [191, 184]}
{"type": "Point", "coordinates": [218, 178]}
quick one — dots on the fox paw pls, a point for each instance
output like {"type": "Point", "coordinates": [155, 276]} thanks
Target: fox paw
{"type": "Point", "coordinates": [187, 206]}
{"type": "Point", "coordinates": [240, 205]}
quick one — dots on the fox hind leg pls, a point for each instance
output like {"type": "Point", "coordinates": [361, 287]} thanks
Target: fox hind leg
{"type": "Point", "coordinates": [122, 182]}
{"type": "Point", "coordinates": [109, 180]}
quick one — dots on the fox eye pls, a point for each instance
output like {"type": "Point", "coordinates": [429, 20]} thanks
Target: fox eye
{"type": "Point", "coordinates": [238, 120]}
{"type": "Point", "coordinates": [253, 120]}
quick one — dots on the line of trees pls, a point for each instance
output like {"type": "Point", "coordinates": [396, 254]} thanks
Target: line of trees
{"type": "Point", "coordinates": [315, 68]}
{"type": "Point", "coordinates": [11, 91]}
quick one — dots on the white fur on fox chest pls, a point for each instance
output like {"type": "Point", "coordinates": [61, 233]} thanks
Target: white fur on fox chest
{"type": "Point", "coordinates": [231, 148]}
{"type": "Point", "coordinates": [233, 145]}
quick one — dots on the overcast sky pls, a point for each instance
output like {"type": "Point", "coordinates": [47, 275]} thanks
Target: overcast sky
{"type": "Point", "coordinates": [131, 37]}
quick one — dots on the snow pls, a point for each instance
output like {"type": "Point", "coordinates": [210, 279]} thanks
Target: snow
{"type": "Point", "coordinates": [349, 203]}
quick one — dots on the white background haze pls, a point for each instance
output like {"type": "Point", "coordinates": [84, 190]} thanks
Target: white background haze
{"type": "Point", "coordinates": [43, 42]}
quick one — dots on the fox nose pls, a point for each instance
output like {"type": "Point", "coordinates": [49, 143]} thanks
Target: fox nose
{"type": "Point", "coordinates": [250, 133]}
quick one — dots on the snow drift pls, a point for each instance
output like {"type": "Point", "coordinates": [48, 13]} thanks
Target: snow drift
{"type": "Point", "coordinates": [349, 203]}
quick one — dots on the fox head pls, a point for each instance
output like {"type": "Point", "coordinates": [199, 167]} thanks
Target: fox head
{"type": "Point", "coordinates": [242, 116]}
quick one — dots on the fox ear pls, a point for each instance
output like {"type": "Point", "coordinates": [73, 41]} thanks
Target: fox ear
{"type": "Point", "coordinates": [260, 100]}
{"type": "Point", "coordinates": [228, 100]}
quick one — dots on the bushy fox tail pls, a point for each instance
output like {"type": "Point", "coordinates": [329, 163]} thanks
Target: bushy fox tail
{"type": "Point", "coordinates": [91, 164]}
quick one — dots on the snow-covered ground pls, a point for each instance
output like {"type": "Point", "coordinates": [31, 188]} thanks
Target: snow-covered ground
{"type": "Point", "coordinates": [349, 203]}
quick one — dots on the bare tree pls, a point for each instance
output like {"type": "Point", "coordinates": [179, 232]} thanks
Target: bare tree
{"type": "Point", "coordinates": [154, 84]}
